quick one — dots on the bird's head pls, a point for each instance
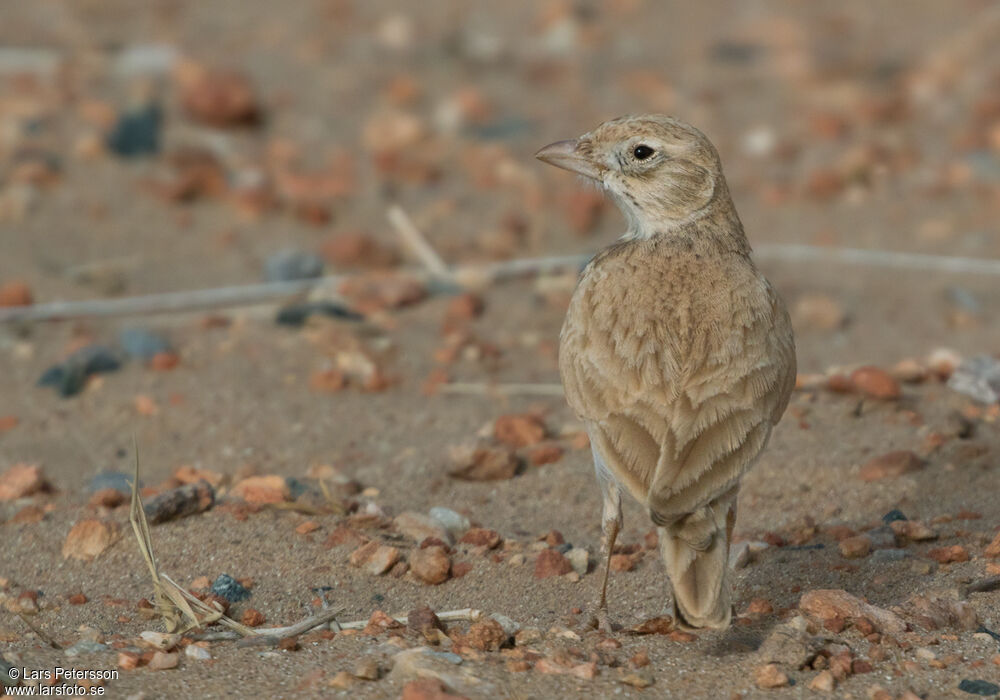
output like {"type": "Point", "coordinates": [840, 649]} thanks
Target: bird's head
{"type": "Point", "coordinates": [661, 171]}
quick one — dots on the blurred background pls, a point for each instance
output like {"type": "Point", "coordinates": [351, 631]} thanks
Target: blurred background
{"type": "Point", "coordinates": [172, 145]}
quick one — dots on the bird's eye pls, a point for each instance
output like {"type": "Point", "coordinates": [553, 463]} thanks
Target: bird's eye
{"type": "Point", "coordinates": [642, 152]}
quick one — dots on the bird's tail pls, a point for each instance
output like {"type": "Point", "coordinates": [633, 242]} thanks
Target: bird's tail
{"type": "Point", "coordinates": [695, 551]}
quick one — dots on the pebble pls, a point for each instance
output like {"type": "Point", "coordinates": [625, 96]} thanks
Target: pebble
{"type": "Point", "coordinates": [551, 563]}
{"type": "Point", "coordinates": [739, 555]}
{"type": "Point", "coordinates": [297, 314]}
{"type": "Point", "coordinates": [979, 687]}
{"type": "Point", "coordinates": [419, 527]}
{"type": "Point", "coordinates": [137, 132]}
{"type": "Point", "coordinates": [118, 481]}
{"type": "Point", "coordinates": [992, 549]}
{"type": "Point", "coordinates": [949, 555]}
{"type": "Point", "coordinates": [142, 344]}
{"type": "Point", "coordinates": [70, 376]}
{"type": "Point", "coordinates": [88, 539]}
{"type": "Point", "coordinates": [366, 669]}
{"type": "Point", "coordinates": [855, 547]}
{"type": "Point", "coordinates": [876, 383]}
{"type": "Point", "coordinates": [21, 480]}
{"type": "Point", "coordinates": [225, 586]}
{"type": "Point", "coordinates": [431, 565]}
{"type": "Point", "coordinates": [579, 559]}
{"type": "Point", "coordinates": [260, 490]}
{"type": "Point", "coordinates": [481, 537]}
{"type": "Point", "coordinates": [638, 679]}
{"type": "Point", "coordinates": [977, 377]}
{"type": "Point", "coordinates": [892, 516]}
{"type": "Point", "coordinates": [488, 635]}
{"type": "Point", "coordinates": [291, 265]}
{"type": "Point", "coordinates": [823, 682]}
{"type": "Point", "coordinates": [520, 430]}
{"type": "Point", "coordinates": [197, 653]}
{"type": "Point", "coordinates": [484, 464]}
{"type": "Point", "coordinates": [160, 640]}
{"type": "Point", "coordinates": [889, 465]}
{"type": "Point", "coordinates": [219, 98]}
{"type": "Point", "coordinates": [422, 662]}
{"type": "Point", "coordinates": [455, 523]}
{"type": "Point", "coordinates": [770, 676]}
{"type": "Point", "coordinates": [163, 661]}
{"type": "Point", "coordinates": [85, 646]}
{"type": "Point", "coordinates": [15, 293]}
{"type": "Point", "coordinates": [914, 530]}
{"type": "Point", "coordinates": [382, 559]}
{"type": "Point", "coordinates": [889, 555]}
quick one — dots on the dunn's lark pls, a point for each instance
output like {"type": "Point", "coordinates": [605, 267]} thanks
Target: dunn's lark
{"type": "Point", "coordinates": [676, 352]}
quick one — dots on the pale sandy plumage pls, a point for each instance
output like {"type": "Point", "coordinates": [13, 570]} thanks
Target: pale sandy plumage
{"type": "Point", "coordinates": [676, 352]}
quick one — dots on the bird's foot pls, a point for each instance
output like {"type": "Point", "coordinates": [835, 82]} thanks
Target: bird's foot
{"type": "Point", "coordinates": [601, 622]}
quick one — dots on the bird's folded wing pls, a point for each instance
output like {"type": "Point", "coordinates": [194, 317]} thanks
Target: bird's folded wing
{"type": "Point", "coordinates": [679, 433]}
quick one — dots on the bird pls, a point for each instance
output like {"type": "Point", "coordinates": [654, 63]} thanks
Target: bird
{"type": "Point", "coordinates": [676, 353]}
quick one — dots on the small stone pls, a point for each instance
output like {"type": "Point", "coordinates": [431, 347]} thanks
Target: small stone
{"type": "Point", "coordinates": [382, 559]}
{"type": "Point", "coordinates": [579, 559]}
{"type": "Point", "coordinates": [428, 689]}
{"type": "Point", "coordinates": [656, 625]}
{"type": "Point", "coordinates": [739, 555]}
{"type": "Point", "coordinates": [544, 454]}
{"type": "Point", "coordinates": [424, 663]}
{"type": "Point", "coordinates": [85, 646]}
{"type": "Point", "coordinates": [551, 563]}
{"type": "Point", "coordinates": [488, 635]}
{"type": "Point", "coordinates": [292, 265]}
{"type": "Point", "coordinates": [379, 622]}
{"type": "Point", "coordinates": [137, 131]}
{"type": "Point", "coordinates": [481, 537]}
{"type": "Point", "coordinates": [306, 528]}
{"type": "Point", "coordinates": [220, 98]}
{"type": "Point", "coordinates": [484, 464]}
{"type": "Point", "coordinates": [823, 682]}
{"type": "Point", "coordinates": [876, 383]}
{"type": "Point", "coordinates": [431, 565]}
{"type": "Point", "coordinates": [894, 515]}
{"type": "Point", "coordinates": [142, 343]}
{"type": "Point", "coordinates": [913, 530]}
{"type": "Point", "coordinates": [892, 464]}
{"type": "Point", "coordinates": [88, 539]}
{"type": "Point", "coordinates": [454, 523]}
{"type": "Point", "coordinates": [15, 293]}
{"type": "Point", "coordinates": [261, 490]}
{"type": "Point", "coordinates": [760, 606]}
{"type": "Point", "coordinates": [625, 562]}
{"type": "Point", "coordinates": [252, 617]}
{"type": "Point", "coordinates": [519, 430]}
{"type": "Point", "coordinates": [855, 547]}
{"type": "Point", "coordinates": [979, 687]}
{"type": "Point", "coordinates": [638, 680]}
{"type": "Point", "coordinates": [197, 653]}
{"type": "Point", "coordinates": [163, 661]}
{"type": "Point", "coordinates": [367, 669]}
{"type": "Point", "coordinates": [419, 527]}
{"type": "Point", "coordinates": [979, 378]}
{"type": "Point", "coordinates": [949, 555]}
{"type": "Point", "coordinates": [225, 586]}
{"type": "Point", "coordinates": [342, 680]}
{"type": "Point", "coordinates": [21, 480]}
{"type": "Point", "coordinates": [128, 660]}
{"type": "Point", "coordinates": [770, 676]}
{"type": "Point", "coordinates": [423, 620]}
{"type": "Point", "coordinates": [889, 555]}
{"type": "Point", "coordinates": [77, 599]}
{"type": "Point", "coordinates": [992, 549]}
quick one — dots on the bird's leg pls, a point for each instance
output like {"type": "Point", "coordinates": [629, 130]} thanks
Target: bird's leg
{"type": "Point", "coordinates": [611, 523]}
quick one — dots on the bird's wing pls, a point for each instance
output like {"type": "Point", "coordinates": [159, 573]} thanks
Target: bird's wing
{"type": "Point", "coordinates": [678, 417]}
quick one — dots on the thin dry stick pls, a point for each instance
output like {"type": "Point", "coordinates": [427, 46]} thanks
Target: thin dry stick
{"type": "Point", "coordinates": [481, 389]}
{"type": "Point", "coordinates": [269, 292]}
{"type": "Point", "coordinates": [41, 635]}
{"type": "Point", "coordinates": [468, 275]}
{"type": "Point", "coordinates": [415, 241]}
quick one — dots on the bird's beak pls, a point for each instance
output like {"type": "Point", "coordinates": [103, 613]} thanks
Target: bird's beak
{"type": "Point", "coordinates": [565, 155]}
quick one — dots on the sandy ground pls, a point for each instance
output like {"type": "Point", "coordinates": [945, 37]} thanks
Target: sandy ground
{"type": "Point", "coordinates": [818, 86]}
